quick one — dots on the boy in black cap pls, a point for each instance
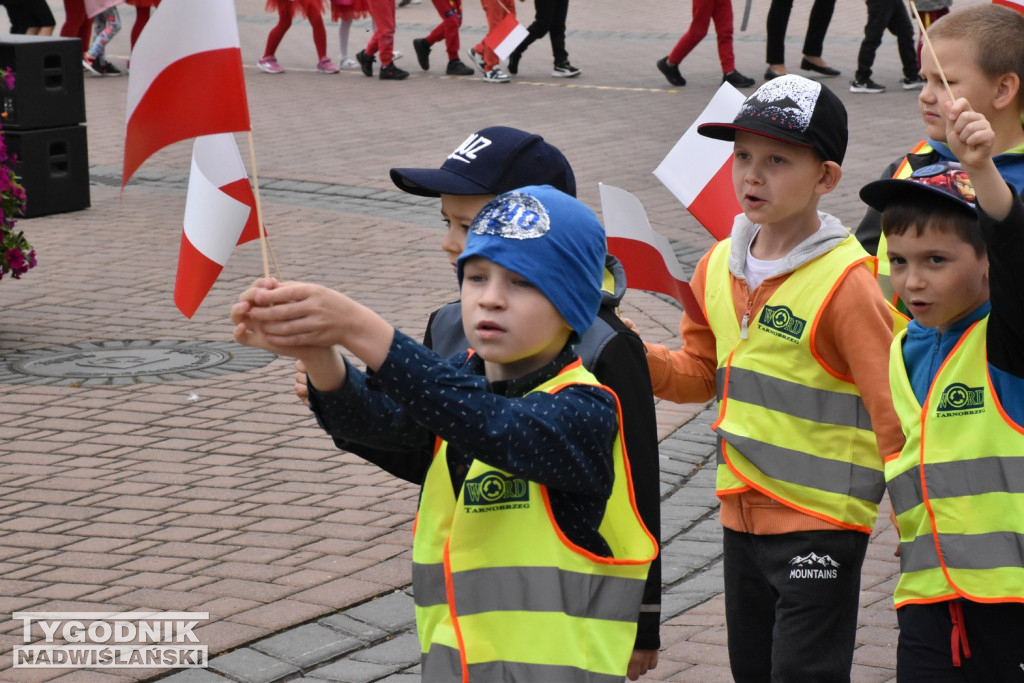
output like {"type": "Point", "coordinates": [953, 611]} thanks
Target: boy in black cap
{"type": "Point", "coordinates": [957, 488]}
{"type": "Point", "coordinates": [498, 159]}
{"type": "Point", "coordinates": [526, 529]}
{"type": "Point", "coordinates": [795, 349]}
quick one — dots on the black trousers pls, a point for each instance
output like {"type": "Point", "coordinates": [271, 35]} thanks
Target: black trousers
{"type": "Point", "coordinates": [549, 19]}
{"type": "Point", "coordinates": [888, 15]}
{"type": "Point", "coordinates": [791, 605]}
{"type": "Point", "coordinates": [814, 39]}
{"type": "Point", "coordinates": [993, 634]}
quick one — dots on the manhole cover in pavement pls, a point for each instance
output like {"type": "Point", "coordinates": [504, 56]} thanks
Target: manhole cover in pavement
{"type": "Point", "coordinates": [129, 362]}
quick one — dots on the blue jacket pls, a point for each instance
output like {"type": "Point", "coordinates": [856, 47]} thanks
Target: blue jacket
{"type": "Point", "coordinates": [925, 348]}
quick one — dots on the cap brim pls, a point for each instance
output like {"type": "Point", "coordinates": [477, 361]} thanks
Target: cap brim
{"type": "Point", "coordinates": [727, 131]}
{"type": "Point", "coordinates": [881, 193]}
{"type": "Point", "coordinates": [433, 182]}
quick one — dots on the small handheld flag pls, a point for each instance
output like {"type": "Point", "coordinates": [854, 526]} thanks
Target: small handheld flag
{"type": "Point", "coordinates": [219, 214]}
{"type": "Point", "coordinates": [646, 256]}
{"type": "Point", "coordinates": [506, 36]}
{"type": "Point", "coordinates": [186, 79]}
{"type": "Point", "coordinates": [698, 170]}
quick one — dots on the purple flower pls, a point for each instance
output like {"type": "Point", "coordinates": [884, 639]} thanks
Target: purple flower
{"type": "Point", "coordinates": [16, 261]}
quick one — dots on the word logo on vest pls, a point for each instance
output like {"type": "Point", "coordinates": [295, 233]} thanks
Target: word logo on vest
{"type": "Point", "coordinates": [493, 491]}
{"type": "Point", "coordinates": [781, 322]}
{"type": "Point", "coordinates": [959, 399]}
{"type": "Point", "coordinates": [813, 566]}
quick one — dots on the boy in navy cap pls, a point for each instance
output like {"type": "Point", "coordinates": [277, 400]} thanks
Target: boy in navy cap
{"type": "Point", "coordinates": [795, 349]}
{"type": "Point", "coordinates": [953, 233]}
{"type": "Point", "coordinates": [526, 524]}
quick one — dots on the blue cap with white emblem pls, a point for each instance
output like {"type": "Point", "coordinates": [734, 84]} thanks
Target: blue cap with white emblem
{"type": "Point", "coordinates": [551, 239]}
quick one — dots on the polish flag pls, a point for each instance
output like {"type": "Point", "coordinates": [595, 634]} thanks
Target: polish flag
{"type": "Point", "coordinates": [219, 213]}
{"type": "Point", "coordinates": [646, 256]}
{"type": "Point", "coordinates": [506, 36]}
{"type": "Point", "coordinates": [1012, 4]}
{"type": "Point", "coordinates": [698, 170]}
{"type": "Point", "coordinates": [186, 79]}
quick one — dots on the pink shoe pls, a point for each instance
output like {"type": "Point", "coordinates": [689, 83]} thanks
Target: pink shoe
{"type": "Point", "coordinates": [326, 66]}
{"type": "Point", "coordinates": [269, 64]}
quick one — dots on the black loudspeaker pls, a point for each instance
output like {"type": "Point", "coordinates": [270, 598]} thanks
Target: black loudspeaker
{"type": "Point", "coordinates": [48, 89]}
{"type": "Point", "coordinates": [53, 166]}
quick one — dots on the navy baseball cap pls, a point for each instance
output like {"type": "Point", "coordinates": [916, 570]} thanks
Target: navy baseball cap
{"type": "Point", "coordinates": [491, 161]}
{"type": "Point", "coordinates": [943, 185]}
{"type": "Point", "coordinates": [795, 110]}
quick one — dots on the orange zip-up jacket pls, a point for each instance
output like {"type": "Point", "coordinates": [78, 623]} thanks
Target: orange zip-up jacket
{"type": "Point", "coordinates": [854, 337]}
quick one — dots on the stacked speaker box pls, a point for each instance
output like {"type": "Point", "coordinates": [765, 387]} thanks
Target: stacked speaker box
{"type": "Point", "coordinates": [44, 121]}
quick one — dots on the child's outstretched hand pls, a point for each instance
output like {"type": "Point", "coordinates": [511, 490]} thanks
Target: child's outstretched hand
{"type": "Point", "coordinates": [305, 321]}
{"type": "Point", "coordinates": [290, 316]}
{"type": "Point", "coordinates": [968, 133]}
{"type": "Point", "coordinates": [971, 138]}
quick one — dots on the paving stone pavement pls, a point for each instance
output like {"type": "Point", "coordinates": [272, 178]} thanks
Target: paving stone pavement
{"type": "Point", "coordinates": [216, 492]}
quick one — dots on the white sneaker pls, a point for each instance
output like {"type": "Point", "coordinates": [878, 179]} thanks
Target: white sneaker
{"type": "Point", "coordinates": [348, 63]}
{"type": "Point", "coordinates": [496, 75]}
{"type": "Point", "coordinates": [565, 70]}
{"type": "Point", "coordinates": [396, 55]}
{"type": "Point", "coordinates": [478, 60]}
{"type": "Point", "coordinates": [915, 83]}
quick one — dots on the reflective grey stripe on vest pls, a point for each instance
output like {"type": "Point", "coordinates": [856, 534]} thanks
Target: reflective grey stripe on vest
{"type": "Point", "coordinates": [428, 584]}
{"type": "Point", "coordinates": [975, 551]}
{"type": "Point", "coordinates": [442, 665]}
{"type": "Point", "coordinates": [787, 465]}
{"type": "Point", "coordinates": [530, 589]}
{"type": "Point", "coordinates": [954, 479]}
{"type": "Point", "coordinates": [547, 589]}
{"type": "Point", "coordinates": [791, 398]}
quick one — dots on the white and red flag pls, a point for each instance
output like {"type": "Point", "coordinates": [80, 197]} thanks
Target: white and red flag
{"type": "Point", "coordinates": [186, 79]}
{"type": "Point", "coordinates": [646, 256]}
{"type": "Point", "coordinates": [220, 212]}
{"type": "Point", "coordinates": [506, 36]}
{"type": "Point", "coordinates": [1012, 4]}
{"type": "Point", "coordinates": [698, 170]}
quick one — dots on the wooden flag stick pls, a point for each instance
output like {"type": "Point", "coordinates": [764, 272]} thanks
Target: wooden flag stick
{"type": "Point", "coordinates": [273, 257]}
{"type": "Point", "coordinates": [928, 44]}
{"type": "Point", "coordinates": [259, 207]}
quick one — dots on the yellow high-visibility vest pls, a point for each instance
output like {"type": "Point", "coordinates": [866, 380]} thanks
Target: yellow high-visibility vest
{"type": "Point", "coordinates": [789, 426]}
{"type": "Point", "coordinates": [957, 487]}
{"type": "Point", "coordinates": [502, 595]}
